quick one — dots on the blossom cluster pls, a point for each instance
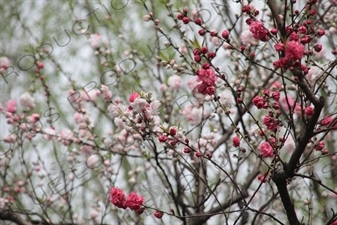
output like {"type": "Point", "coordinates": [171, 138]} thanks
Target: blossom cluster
{"type": "Point", "coordinates": [133, 201]}
{"type": "Point", "coordinates": [208, 78]}
{"type": "Point", "coordinates": [258, 30]}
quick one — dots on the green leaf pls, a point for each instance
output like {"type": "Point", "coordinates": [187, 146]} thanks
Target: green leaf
{"type": "Point", "coordinates": [172, 56]}
{"type": "Point", "coordinates": [195, 43]}
{"type": "Point", "coordinates": [164, 57]}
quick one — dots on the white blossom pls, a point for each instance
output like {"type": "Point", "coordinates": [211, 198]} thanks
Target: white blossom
{"type": "Point", "coordinates": [27, 101]}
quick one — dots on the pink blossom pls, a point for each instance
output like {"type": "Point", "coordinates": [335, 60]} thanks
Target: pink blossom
{"type": "Point", "coordinates": [133, 97]}
{"type": "Point", "coordinates": [271, 123]}
{"type": "Point", "coordinates": [309, 111]}
{"type": "Point", "coordinates": [48, 133]}
{"type": "Point", "coordinates": [11, 106]}
{"type": "Point", "coordinates": [276, 85]}
{"type": "Point", "coordinates": [279, 46]}
{"type": "Point", "coordinates": [4, 64]}
{"type": "Point", "coordinates": [326, 121]}
{"type": "Point", "coordinates": [263, 178]}
{"type": "Point", "coordinates": [193, 82]}
{"type": "Point", "coordinates": [320, 145]}
{"type": "Point", "coordinates": [117, 197]}
{"type": "Point", "coordinates": [293, 37]}
{"type": "Point", "coordinates": [174, 81]}
{"type": "Point", "coordinates": [10, 138]}
{"type": "Point", "coordinates": [226, 99]}
{"type": "Point", "coordinates": [313, 73]}
{"type": "Point", "coordinates": [87, 149]}
{"type": "Point", "coordinates": [146, 17]}
{"type": "Point", "coordinates": [158, 214]}
{"type": "Point", "coordinates": [282, 62]}
{"type": "Point", "coordinates": [215, 41]}
{"type": "Point", "coordinates": [139, 105]}
{"type": "Point", "coordinates": [162, 138]}
{"type": "Point", "coordinates": [183, 50]}
{"type": "Point", "coordinates": [89, 95]}
{"type": "Point", "coordinates": [115, 110]}
{"type": "Point", "coordinates": [258, 30]}
{"type": "Point", "coordinates": [94, 161]}
{"type": "Point", "coordinates": [208, 79]}
{"type": "Point", "coordinates": [107, 95]}
{"type": "Point", "coordinates": [134, 201]}
{"type": "Point", "coordinates": [95, 41]}
{"type": "Point", "coordinates": [258, 102]}
{"type": "Point", "coordinates": [66, 137]}
{"type": "Point", "coordinates": [276, 95]}
{"type": "Point", "coordinates": [236, 141]}
{"type": "Point", "coordinates": [246, 37]}
{"type": "Point", "coordinates": [193, 114]}
{"type": "Point", "coordinates": [288, 99]}
{"type": "Point", "coordinates": [153, 107]}
{"type": "Point", "coordinates": [79, 118]}
{"type": "Point", "coordinates": [266, 150]}
{"type": "Point", "coordinates": [173, 131]}
{"type": "Point", "coordinates": [294, 51]}
{"type": "Point", "coordinates": [34, 118]}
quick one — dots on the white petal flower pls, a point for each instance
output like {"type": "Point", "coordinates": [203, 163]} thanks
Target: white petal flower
{"type": "Point", "coordinates": [174, 81]}
{"type": "Point", "coordinates": [95, 41]}
{"type": "Point", "coordinates": [27, 101]}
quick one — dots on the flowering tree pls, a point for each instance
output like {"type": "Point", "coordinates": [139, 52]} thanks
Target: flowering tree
{"type": "Point", "coordinates": [162, 119]}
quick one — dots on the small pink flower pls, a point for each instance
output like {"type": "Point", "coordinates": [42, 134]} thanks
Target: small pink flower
{"type": "Point", "coordinates": [236, 141]}
{"type": "Point", "coordinates": [162, 138]}
{"type": "Point", "coordinates": [258, 102]}
{"type": "Point", "coordinates": [10, 138]}
{"type": "Point", "coordinates": [320, 145]}
{"type": "Point", "coordinates": [266, 150]}
{"type": "Point", "coordinates": [106, 93]}
{"type": "Point", "coordinates": [294, 51]}
{"type": "Point", "coordinates": [246, 37]}
{"type": "Point", "coordinates": [270, 122]}
{"type": "Point", "coordinates": [173, 131]}
{"type": "Point", "coordinates": [133, 97]}
{"type": "Point", "coordinates": [95, 41]}
{"type": "Point", "coordinates": [276, 95]}
{"type": "Point", "coordinates": [158, 214]}
{"type": "Point", "coordinates": [134, 201]}
{"type": "Point", "coordinates": [263, 178]}
{"type": "Point", "coordinates": [258, 30]}
{"type": "Point", "coordinates": [309, 111]}
{"type": "Point", "coordinates": [293, 37]}
{"type": "Point", "coordinates": [117, 197]}
{"type": "Point", "coordinates": [279, 46]}
{"type": "Point", "coordinates": [183, 49]}
{"type": "Point", "coordinates": [326, 121]}
{"type": "Point", "coordinates": [174, 81]}
{"type": "Point", "coordinates": [140, 210]}
{"type": "Point", "coordinates": [4, 64]}
{"type": "Point", "coordinates": [34, 118]}
{"type": "Point", "coordinates": [208, 79]}
{"type": "Point", "coordinates": [11, 106]}
{"type": "Point", "coordinates": [66, 137]}
{"type": "Point", "coordinates": [276, 85]}
{"type": "Point", "coordinates": [87, 149]}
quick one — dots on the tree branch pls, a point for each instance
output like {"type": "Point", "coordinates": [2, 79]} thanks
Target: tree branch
{"type": "Point", "coordinates": [308, 130]}
{"type": "Point", "coordinates": [280, 179]}
{"type": "Point", "coordinates": [11, 216]}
